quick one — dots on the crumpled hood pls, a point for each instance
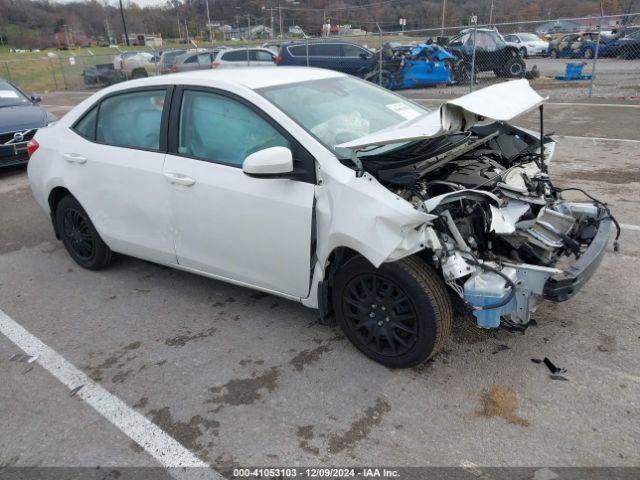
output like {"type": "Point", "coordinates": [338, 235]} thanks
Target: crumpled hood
{"type": "Point", "coordinates": [23, 117]}
{"type": "Point", "coordinates": [503, 102]}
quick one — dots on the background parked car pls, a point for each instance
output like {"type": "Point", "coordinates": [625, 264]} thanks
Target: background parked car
{"type": "Point", "coordinates": [528, 44]}
{"type": "Point", "coordinates": [139, 65]}
{"type": "Point", "coordinates": [119, 58]}
{"type": "Point", "coordinates": [492, 53]}
{"type": "Point", "coordinates": [192, 60]}
{"type": "Point", "coordinates": [242, 57]}
{"type": "Point", "coordinates": [20, 117]}
{"type": "Point", "coordinates": [582, 45]}
{"type": "Point", "coordinates": [334, 55]}
{"type": "Point", "coordinates": [168, 58]}
{"type": "Point", "coordinates": [629, 46]}
{"type": "Point", "coordinates": [101, 74]}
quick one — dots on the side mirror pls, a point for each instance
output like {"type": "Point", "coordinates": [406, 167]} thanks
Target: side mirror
{"type": "Point", "coordinates": [364, 56]}
{"type": "Point", "coordinates": [36, 98]}
{"type": "Point", "coordinates": [269, 163]}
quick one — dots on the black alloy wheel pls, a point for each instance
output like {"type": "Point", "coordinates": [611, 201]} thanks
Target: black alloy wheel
{"type": "Point", "coordinates": [399, 314]}
{"type": "Point", "coordinates": [381, 314]}
{"type": "Point", "coordinates": [79, 236]}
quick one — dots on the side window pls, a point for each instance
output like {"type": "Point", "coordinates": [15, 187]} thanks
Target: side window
{"type": "Point", "coordinates": [299, 50]}
{"type": "Point", "coordinates": [261, 56]}
{"type": "Point", "coordinates": [352, 51]}
{"type": "Point", "coordinates": [86, 127]}
{"type": "Point", "coordinates": [324, 50]}
{"type": "Point", "coordinates": [235, 56]}
{"type": "Point", "coordinates": [219, 129]}
{"type": "Point", "coordinates": [191, 59]}
{"type": "Point", "coordinates": [131, 120]}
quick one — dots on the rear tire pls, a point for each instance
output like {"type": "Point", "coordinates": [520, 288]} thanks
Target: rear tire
{"type": "Point", "coordinates": [139, 73]}
{"type": "Point", "coordinates": [398, 315]}
{"type": "Point", "coordinates": [80, 237]}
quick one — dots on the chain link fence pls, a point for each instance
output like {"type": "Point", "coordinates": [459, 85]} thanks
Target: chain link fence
{"type": "Point", "coordinates": [564, 58]}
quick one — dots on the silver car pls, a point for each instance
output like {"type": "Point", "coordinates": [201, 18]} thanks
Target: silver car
{"type": "Point", "coordinates": [193, 60]}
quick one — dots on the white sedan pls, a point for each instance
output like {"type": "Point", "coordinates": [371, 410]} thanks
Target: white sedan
{"type": "Point", "coordinates": [529, 44]}
{"type": "Point", "coordinates": [324, 189]}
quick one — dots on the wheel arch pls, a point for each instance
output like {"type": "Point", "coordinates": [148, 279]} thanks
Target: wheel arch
{"type": "Point", "coordinates": [55, 195]}
{"type": "Point", "coordinates": [336, 259]}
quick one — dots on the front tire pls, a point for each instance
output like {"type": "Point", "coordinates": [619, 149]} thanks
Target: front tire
{"type": "Point", "coordinates": [398, 315]}
{"type": "Point", "coordinates": [523, 52]}
{"type": "Point", "coordinates": [80, 237]}
{"type": "Point", "coordinates": [514, 68]}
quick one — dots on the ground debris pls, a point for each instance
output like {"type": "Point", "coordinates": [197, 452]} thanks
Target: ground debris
{"type": "Point", "coordinates": [23, 358]}
{"type": "Point", "coordinates": [502, 401]}
{"type": "Point", "coordinates": [552, 368]}
{"type": "Point", "coordinates": [73, 392]}
{"type": "Point", "coordinates": [500, 348]}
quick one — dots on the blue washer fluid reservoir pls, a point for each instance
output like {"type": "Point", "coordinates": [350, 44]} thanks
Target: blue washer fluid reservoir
{"type": "Point", "coordinates": [487, 288]}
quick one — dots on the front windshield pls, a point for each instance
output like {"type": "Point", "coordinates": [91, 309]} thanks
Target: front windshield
{"type": "Point", "coordinates": [340, 109]}
{"type": "Point", "coordinates": [11, 96]}
{"type": "Point", "coordinates": [529, 37]}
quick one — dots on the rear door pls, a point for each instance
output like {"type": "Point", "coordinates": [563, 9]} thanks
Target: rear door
{"type": "Point", "coordinates": [253, 231]}
{"type": "Point", "coordinates": [113, 165]}
{"type": "Point", "coordinates": [328, 55]}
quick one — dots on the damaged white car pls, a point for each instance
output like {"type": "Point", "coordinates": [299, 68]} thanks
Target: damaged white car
{"type": "Point", "coordinates": [324, 189]}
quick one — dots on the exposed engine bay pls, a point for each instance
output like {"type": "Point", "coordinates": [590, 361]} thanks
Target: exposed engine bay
{"type": "Point", "coordinates": [502, 228]}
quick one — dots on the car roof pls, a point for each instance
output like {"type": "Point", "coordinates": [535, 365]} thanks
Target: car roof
{"type": "Point", "coordinates": [252, 78]}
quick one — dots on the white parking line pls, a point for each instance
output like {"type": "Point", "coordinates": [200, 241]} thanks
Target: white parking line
{"type": "Point", "coordinates": [155, 441]}
{"type": "Point", "coordinates": [626, 226]}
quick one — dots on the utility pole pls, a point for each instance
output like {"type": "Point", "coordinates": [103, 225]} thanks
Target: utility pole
{"type": "Point", "coordinates": [206, 2]}
{"type": "Point", "coordinates": [444, 8]}
{"type": "Point", "coordinates": [491, 14]}
{"type": "Point", "coordinates": [179, 30]}
{"type": "Point", "coordinates": [124, 24]}
{"type": "Point", "coordinates": [272, 26]}
{"type": "Point", "coordinates": [280, 20]}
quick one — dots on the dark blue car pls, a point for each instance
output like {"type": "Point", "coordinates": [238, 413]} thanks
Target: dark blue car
{"type": "Point", "coordinates": [335, 55]}
{"type": "Point", "coordinates": [20, 117]}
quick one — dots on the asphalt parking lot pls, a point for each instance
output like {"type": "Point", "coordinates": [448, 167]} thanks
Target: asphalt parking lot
{"type": "Point", "coordinates": [240, 378]}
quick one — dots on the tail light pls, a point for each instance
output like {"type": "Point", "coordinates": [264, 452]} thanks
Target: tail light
{"type": "Point", "coordinates": [121, 64]}
{"type": "Point", "coordinates": [215, 64]}
{"type": "Point", "coordinates": [278, 59]}
{"type": "Point", "coordinates": [32, 146]}
{"type": "Point", "coordinates": [173, 69]}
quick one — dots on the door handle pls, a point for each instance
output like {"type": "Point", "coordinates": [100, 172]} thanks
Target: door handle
{"type": "Point", "coordinates": [74, 158]}
{"type": "Point", "coordinates": [179, 179]}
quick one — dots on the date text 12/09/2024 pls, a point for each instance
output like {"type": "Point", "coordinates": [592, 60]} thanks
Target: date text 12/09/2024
{"type": "Point", "coordinates": [315, 473]}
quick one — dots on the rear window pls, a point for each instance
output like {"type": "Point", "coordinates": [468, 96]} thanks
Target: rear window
{"type": "Point", "coordinates": [86, 127]}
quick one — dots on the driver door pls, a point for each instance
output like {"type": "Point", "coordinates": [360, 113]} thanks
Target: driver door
{"type": "Point", "coordinates": [253, 231]}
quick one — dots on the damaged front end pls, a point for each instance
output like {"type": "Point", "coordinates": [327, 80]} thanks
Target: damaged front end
{"type": "Point", "coordinates": [506, 237]}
